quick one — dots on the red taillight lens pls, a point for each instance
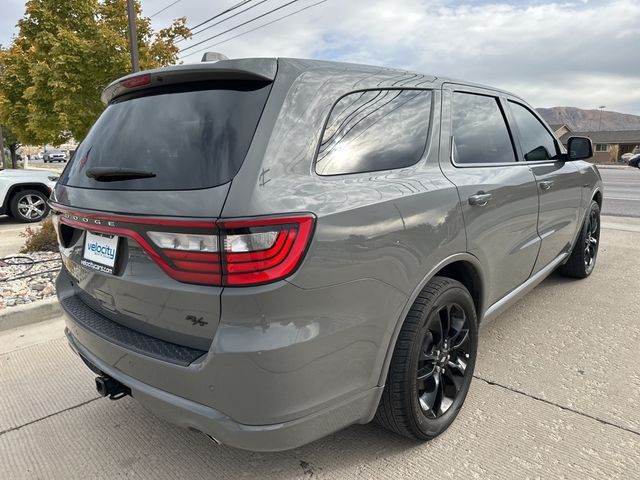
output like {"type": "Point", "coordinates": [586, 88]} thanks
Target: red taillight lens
{"type": "Point", "coordinates": [193, 258]}
{"type": "Point", "coordinates": [241, 252]}
{"type": "Point", "coordinates": [260, 251]}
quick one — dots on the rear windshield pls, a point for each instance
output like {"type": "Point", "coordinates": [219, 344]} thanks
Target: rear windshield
{"type": "Point", "coordinates": [189, 136]}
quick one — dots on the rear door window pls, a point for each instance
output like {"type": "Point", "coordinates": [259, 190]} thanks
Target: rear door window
{"type": "Point", "coordinates": [190, 136]}
{"type": "Point", "coordinates": [535, 140]}
{"type": "Point", "coordinates": [375, 130]}
{"type": "Point", "coordinates": [480, 133]}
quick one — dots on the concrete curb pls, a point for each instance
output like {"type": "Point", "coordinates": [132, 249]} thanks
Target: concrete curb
{"type": "Point", "coordinates": [35, 312]}
{"type": "Point", "coordinates": [45, 168]}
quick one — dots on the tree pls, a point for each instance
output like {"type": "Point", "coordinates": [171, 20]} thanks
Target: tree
{"type": "Point", "coordinates": [10, 142]}
{"type": "Point", "coordinates": [65, 53]}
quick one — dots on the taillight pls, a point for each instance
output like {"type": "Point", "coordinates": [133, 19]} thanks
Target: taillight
{"type": "Point", "coordinates": [185, 241]}
{"type": "Point", "coordinates": [260, 251]}
{"type": "Point", "coordinates": [240, 253]}
{"type": "Point", "coordinates": [194, 257]}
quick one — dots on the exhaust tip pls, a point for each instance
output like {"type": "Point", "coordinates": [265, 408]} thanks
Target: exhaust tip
{"type": "Point", "coordinates": [213, 439]}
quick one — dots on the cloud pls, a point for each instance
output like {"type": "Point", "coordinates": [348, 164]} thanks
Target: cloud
{"type": "Point", "coordinates": [572, 52]}
{"type": "Point", "coordinates": [562, 53]}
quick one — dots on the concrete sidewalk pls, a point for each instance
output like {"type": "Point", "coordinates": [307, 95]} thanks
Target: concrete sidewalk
{"type": "Point", "coordinates": [556, 395]}
{"type": "Point", "coordinates": [612, 165]}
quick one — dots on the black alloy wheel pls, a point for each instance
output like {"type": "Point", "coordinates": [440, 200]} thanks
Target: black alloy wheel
{"type": "Point", "coordinates": [442, 366]}
{"type": "Point", "coordinates": [582, 260]}
{"type": "Point", "coordinates": [432, 364]}
{"type": "Point", "coordinates": [592, 238]}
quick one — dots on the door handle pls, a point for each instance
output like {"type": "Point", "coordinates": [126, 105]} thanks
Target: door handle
{"type": "Point", "coordinates": [546, 184]}
{"type": "Point", "coordinates": [480, 199]}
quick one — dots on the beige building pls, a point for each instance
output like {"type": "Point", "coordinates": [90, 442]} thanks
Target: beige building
{"type": "Point", "coordinates": [609, 146]}
{"type": "Point", "coordinates": [560, 129]}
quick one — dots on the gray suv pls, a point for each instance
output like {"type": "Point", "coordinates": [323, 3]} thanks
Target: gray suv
{"type": "Point", "coordinates": [269, 250]}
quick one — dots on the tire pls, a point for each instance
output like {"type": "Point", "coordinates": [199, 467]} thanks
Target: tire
{"type": "Point", "coordinates": [582, 259]}
{"type": "Point", "coordinates": [29, 206]}
{"type": "Point", "coordinates": [409, 406]}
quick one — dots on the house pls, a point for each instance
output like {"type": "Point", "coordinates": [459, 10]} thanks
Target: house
{"type": "Point", "coordinates": [560, 129]}
{"type": "Point", "coordinates": [609, 146]}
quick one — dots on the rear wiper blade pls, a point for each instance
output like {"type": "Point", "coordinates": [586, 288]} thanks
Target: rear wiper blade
{"type": "Point", "coordinates": [113, 174]}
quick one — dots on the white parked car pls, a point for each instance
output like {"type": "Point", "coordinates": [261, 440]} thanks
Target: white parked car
{"type": "Point", "coordinates": [627, 156]}
{"type": "Point", "coordinates": [54, 156]}
{"type": "Point", "coordinates": [24, 193]}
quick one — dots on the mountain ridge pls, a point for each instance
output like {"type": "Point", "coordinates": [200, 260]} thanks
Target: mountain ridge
{"type": "Point", "coordinates": [581, 120]}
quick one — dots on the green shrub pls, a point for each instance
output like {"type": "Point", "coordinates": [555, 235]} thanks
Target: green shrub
{"type": "Point", "coordinates": [40, 239]}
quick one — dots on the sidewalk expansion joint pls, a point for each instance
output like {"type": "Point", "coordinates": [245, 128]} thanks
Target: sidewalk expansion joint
{"type": "Point", "coordinates": [562, 407]}
{"type": "Point", "coordinates": [13, 429]}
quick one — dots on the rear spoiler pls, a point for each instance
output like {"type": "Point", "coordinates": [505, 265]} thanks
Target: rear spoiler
{"type": "Point", "coordinates": [259, 69]}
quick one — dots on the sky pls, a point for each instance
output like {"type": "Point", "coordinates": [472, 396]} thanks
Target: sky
{"type": "Point", "coordinates": [582, 53]}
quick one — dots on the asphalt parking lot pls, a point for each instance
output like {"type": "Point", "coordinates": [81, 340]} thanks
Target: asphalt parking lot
{"type": "Point", "coordinates": [556, 395]}
{"type": "Point", "coordinates": [39, 163]}
{"type": "Point", "coordinates": [622, 191]}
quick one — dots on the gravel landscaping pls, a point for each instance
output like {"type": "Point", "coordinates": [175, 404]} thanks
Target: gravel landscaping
{"type": "Point", "coordinates": [26, 278]}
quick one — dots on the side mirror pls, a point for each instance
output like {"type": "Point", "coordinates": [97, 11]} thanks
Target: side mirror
{"type": "Point", "coordinates": [579, 148]}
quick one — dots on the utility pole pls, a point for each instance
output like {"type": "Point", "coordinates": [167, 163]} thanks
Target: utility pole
{"type": "Point", "coordinates": [601, 107]}
{"type": "Point", "coordinates": [1, 148]}
{"type": "Point", "coordinates": [133, 35]}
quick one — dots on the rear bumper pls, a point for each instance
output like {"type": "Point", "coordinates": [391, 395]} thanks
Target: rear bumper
{"type": "Point", "coordinates": [283, 369]}
{"type": "Point", "coordinates": [195, 416]}
{"type": "Point", "coordinates": [263, 386]}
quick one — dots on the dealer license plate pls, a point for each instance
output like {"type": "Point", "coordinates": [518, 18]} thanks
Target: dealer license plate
{"type": "Point", "coordinates": [100, 252]}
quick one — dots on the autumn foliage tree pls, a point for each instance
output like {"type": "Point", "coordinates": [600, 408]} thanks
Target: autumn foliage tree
{"type": "Point", "coordinates": [65, 53]}
{"type": "Point", "coordinates": [10, 142]}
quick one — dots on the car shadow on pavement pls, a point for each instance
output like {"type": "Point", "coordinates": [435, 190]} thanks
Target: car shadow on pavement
{"type": "Point", "coordinates": [123, 437]}
{"type": "Point", "coordinates": [134, 438]}
{"type": "Point", "coordinates": [9, 221]}
{"type": "Point", "coordinates": [555, 279]}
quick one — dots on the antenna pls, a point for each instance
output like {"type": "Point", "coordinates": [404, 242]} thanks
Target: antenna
{"type": "Point", "coordinates": [213, 57]}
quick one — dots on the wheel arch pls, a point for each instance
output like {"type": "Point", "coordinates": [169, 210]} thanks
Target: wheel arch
{"type": "Point", "coordinates": [463, 267]}
{"type": "Point", "coordinates": [597, 197]}
{"type": "Point", "coordinates": [19, 187]}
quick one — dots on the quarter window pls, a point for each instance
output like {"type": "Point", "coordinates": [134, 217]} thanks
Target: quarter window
{"type": "Point", "coordinates": [480, 132]}
{"type": "Point", "coordinates": [375, 130]}
{"type": "Point", "coordinates": [535, 140]}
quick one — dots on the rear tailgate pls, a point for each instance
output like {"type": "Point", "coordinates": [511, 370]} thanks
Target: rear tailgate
{"type": "Point", "coordinates": [115, 269]}
{"type": "Point", "coordinates": [136, 208]}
